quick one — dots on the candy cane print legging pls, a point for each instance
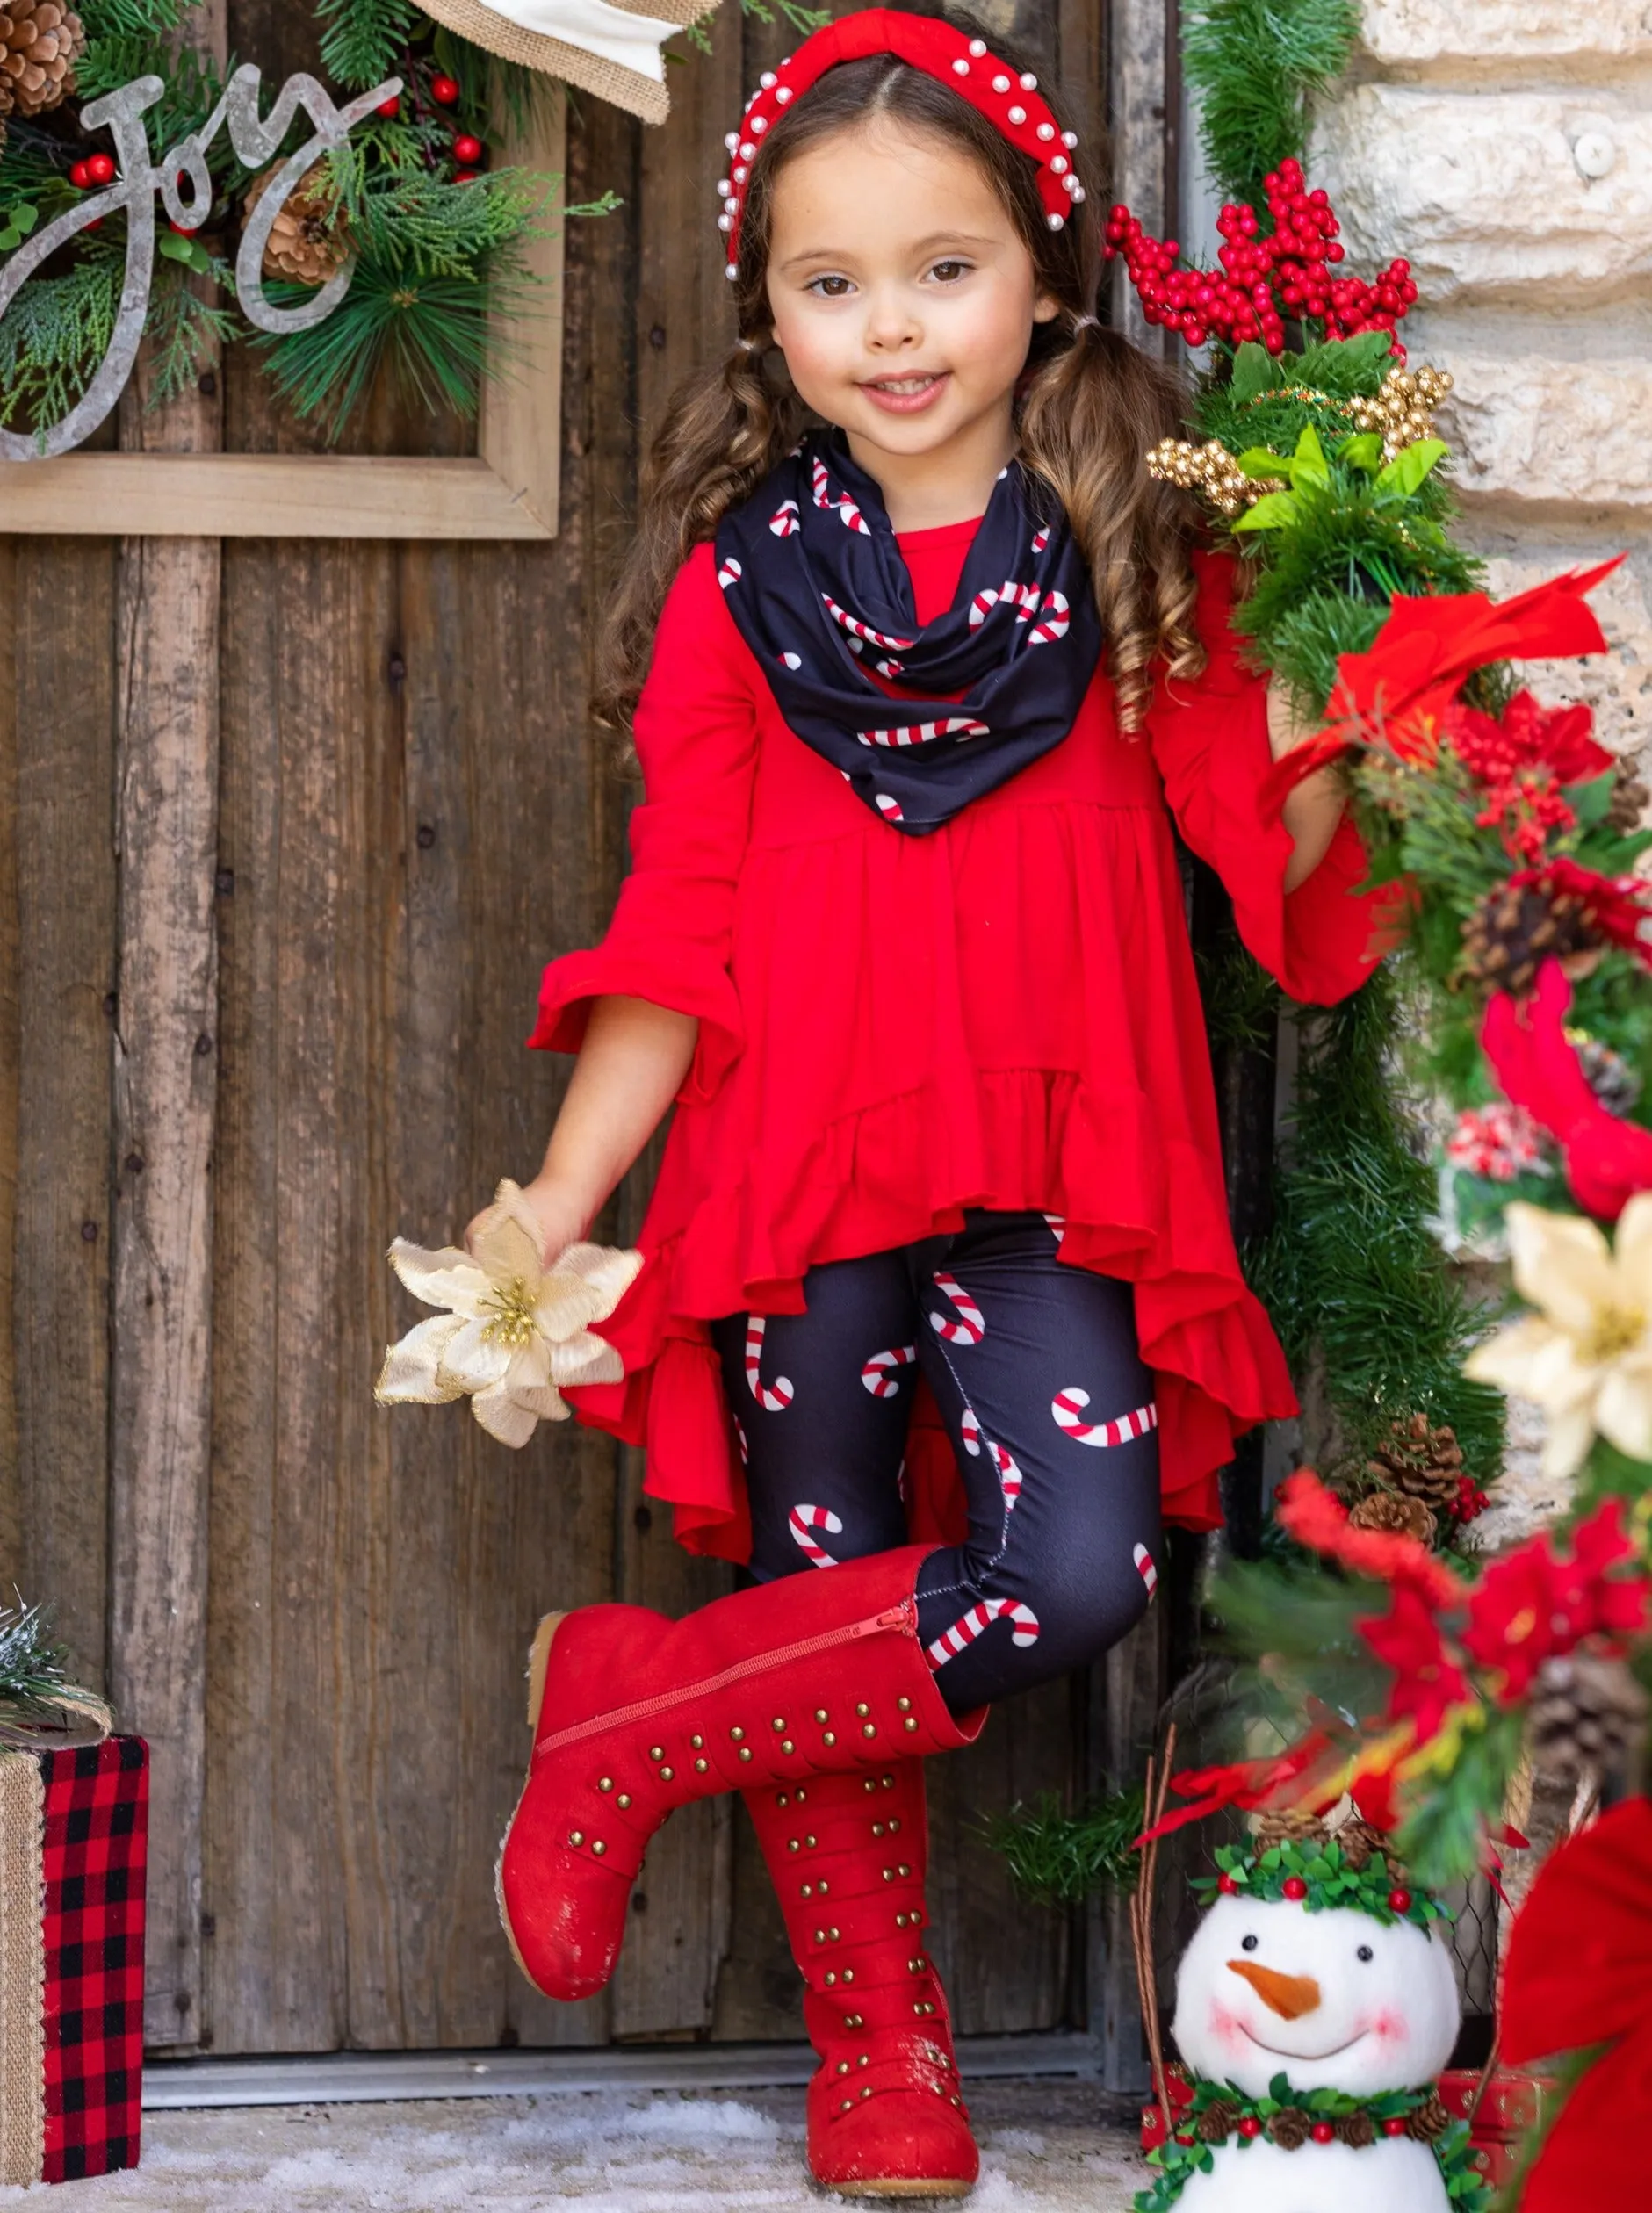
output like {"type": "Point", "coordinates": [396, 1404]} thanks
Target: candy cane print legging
{"type": "Point", "coordinates": [1035, 1368]}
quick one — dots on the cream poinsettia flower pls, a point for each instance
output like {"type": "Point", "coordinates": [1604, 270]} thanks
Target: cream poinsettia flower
{"type": "Point", "coordinates": [513, 1331]}
{"type": "Point", "coordinates": [1586, 1354]}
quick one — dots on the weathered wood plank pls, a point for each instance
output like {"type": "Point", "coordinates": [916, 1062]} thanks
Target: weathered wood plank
{"type": "Point", "coordinates": [62, 614]}
{"type": "Point", "coordinates": [165, 1080]}
{"type": "Point", "coordinates": [1138, 34]}
{"type": "Point", "coordinates": [11, 1521]}
{"type": "Point", "coordinates": [519, 433]}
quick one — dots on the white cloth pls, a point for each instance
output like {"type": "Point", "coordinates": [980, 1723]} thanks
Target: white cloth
{"type": "Point", "coordinates": [632, 41]}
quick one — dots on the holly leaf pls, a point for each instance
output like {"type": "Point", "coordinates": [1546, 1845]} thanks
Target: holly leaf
{"type": "Point", "coordinates": [1273, 511]}
{"type": "Point", "coordinates": [1406, 473]}
{"type": "Point", "coordinates": [1308, 465]}
{"type": "Point", "coordinates": [1363, 451]}
{"type": "Point", "coordinates": [1280, 2089]}
{"type": "Point", "coordinates": [1253, 371]}
{"type": "Point", "coordinates": [194, 255]}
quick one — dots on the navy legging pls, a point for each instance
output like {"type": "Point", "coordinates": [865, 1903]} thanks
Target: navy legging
{"type": "Point", "coordinates": [1036, 1369]}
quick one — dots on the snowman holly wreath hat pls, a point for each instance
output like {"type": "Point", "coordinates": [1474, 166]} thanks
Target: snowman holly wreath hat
{"type": "Point", "coordinates": [1316, 2007]}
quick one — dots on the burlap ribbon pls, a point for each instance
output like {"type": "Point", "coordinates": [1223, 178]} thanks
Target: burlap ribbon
{"type": "Point", "coordinates": [22, 1968]}
{"type": "Point", "coordinates": [587, 42]}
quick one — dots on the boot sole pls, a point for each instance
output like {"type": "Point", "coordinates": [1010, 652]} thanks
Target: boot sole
{"type": "Point", "coordinates": [899, 2187]}
{"type": "Point", "coordinates": [539, 1661]}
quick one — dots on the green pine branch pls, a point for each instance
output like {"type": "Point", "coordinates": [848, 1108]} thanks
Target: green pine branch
{"type": "Point", "coordinates": [33, 1664]}
{"type": "Point", "coordinates": [1257, 64]}
{"type": "Point", "coordinates": [364, 40]}
{"type": "Point", "coordinates": [1058, 1858]}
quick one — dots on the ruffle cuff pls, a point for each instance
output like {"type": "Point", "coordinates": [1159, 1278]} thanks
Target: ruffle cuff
{"type": "Point", "coordinates": [678, 976]}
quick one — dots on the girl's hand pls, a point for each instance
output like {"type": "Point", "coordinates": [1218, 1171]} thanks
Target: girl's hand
{"type": "Point", "coordinates": [560, 1212]}
{"type": "Point", "coordinates": [1314, 809]}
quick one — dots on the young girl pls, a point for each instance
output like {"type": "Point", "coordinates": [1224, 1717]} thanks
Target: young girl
{"type": "Point", "coordinates": [915, 699]}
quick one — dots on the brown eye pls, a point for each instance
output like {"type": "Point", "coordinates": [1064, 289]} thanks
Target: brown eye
{"type": "Point", "coordinates": [949, 271]}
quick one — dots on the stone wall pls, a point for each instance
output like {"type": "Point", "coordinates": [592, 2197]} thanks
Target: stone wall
{"type": "Point", "coordinates": [1505, 147]}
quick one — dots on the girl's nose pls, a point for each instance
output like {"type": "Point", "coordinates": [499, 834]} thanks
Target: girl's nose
{"type": "Point", "coordinates": [890, 325]}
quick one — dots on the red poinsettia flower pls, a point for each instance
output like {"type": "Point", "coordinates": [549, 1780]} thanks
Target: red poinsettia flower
{"type": "Point", "coordinates": [1398, 693]}
{"type": "Point", "coordinates": [1427, 1681]}
{"type": "Point", "coordinates": [1317, 1518]}
{"type": "Point", "coordinates": [1607, 1159]}
{"type": "Point", "coordinates": [1528, 736]}
{"type": "Point", "coordinates": [1531, 1606]}
{"type": "Point", "coordinates": [1579, 1975]}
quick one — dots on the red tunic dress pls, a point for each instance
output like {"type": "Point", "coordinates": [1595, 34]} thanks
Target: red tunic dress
{"type": "Point", "coordinates": [1003, 1013]}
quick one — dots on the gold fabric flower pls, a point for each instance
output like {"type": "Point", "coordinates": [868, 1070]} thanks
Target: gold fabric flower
{"type": "Point", "coordinates": [1585, 1355]}
{"type": "Point", "coordinates": [513, 1331]}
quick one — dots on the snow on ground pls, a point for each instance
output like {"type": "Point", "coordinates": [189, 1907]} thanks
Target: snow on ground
{"type": "Point", "coordinates": [1044, 2150]}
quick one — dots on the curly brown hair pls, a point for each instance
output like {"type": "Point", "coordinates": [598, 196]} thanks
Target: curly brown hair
{"type": "Point", "coordinates": [1088, 407]}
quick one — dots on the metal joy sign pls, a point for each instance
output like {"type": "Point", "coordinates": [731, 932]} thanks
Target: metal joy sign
{"type": "Point", "coordinates": [183, 180]}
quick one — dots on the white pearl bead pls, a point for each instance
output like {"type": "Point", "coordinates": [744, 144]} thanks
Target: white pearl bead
{"type": "Point", "coordinates": [1029, 83]}
{"type": "Point", "coordinates": [783, 94]}
{"type": "Point", "coordinates": [767, 79]}
{"type": "Point", "coordinates": [978, 47]}
{"type": "Point", "coordinates": [1076, 189]}
{"type": "Point", "coordinates": [1018, 115]}
{"type": "Point", "coordinates": [1058, 165]}
{"type": "Point", "coordinates": [1057, 222]}
{"type": "Point", "coordinates": [1069, 138]}
{"type": "Point", "coordinates": [740, 172]}
{"type": "Point", "coordinates": [961, 67]}
{"type": "Point", "coordinates": [731, 139]}
{"type": "Point", "coordinates": [1046, 130]}
{"type": "Point", "coordinates": [732, 270]}
{"type": "Point", "coordinates": [760, 124]}
{"type": "Point", "coordinates": [726, 221]}
{"type": "Point", "coordinates": [1000, 83]}
{"type": "Point", "coordinates": [748, 151]}
{"type": "Point", "coordinates": [723, 187]}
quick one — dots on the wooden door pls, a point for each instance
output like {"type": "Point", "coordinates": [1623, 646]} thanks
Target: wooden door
{"type": "Point", "coordinates": [319, 1612]}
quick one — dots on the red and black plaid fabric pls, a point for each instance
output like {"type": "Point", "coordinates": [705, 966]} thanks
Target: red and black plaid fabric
{"type": "Point", "coordinates": [97, 1837]}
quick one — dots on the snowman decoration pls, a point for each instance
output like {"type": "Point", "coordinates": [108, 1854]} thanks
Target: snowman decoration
{"type": "Point", "coordinates": [1315, 2005]}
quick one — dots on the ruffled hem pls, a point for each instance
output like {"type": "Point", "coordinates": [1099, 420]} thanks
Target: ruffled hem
{"type": "Point", "coordinates": [886, 1177]}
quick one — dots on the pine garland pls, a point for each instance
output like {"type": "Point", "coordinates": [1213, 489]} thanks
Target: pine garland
{"type": "Point", "coordinates": [1352, 1272]}
{"type": "Point", "coordinates": [1256, 65]}
{"type": "Point", "coordinates": [1058, 1858]}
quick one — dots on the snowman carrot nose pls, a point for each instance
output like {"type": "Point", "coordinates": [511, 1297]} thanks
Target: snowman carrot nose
{"type": "Point", "coordinates": [1290, 1996]}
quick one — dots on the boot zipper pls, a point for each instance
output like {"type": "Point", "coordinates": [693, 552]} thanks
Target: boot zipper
{"type": "Point", "coordinates": [902, 1618]}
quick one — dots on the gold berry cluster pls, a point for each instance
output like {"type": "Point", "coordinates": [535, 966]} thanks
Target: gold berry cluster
{"type": "Point", "coordinates": [1403, 410]}
{"type": "Point", "coordinates": [1210, 470]}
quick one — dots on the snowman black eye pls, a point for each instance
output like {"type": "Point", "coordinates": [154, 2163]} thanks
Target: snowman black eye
{"type": "Point", "coordinates": [1248, 1944]}
{"type": "Point", "coordinates": [1365, 1952]}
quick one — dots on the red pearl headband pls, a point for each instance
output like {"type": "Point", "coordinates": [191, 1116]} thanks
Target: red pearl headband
{"type": "Point", "coordinates": [1009, 102]}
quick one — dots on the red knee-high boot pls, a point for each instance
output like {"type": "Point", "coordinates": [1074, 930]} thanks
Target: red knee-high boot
{"type": "Point", "coordinates": [637, 1714]}
{"type": "Point", "coordinates": [886, 2113]}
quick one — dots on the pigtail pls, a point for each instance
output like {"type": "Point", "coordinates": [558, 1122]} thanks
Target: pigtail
{"type": "Point", "coordinates": [1091, 410]}
{"type": "Point", "coordinates": [723, 431]}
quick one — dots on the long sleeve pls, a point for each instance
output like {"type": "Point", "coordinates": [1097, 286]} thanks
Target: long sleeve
{"type": "Point", "coordinates": [670, 937]}
{"type": "Point", "coordinates": [1209, 739]}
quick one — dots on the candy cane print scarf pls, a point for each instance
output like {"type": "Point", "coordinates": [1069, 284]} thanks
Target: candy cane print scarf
{"type": "Point", "coordinates": [814, 577]}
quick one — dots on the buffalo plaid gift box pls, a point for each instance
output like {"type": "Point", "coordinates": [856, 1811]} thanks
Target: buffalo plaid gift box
{"type": "Point", "coordinates": [73, 1829]}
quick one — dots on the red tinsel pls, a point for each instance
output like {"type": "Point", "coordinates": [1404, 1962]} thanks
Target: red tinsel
{"type": "Point", "coordinates": [1266, 278]}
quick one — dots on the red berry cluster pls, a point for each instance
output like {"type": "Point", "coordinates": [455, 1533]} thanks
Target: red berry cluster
{"type": "Point", "coordinates": [1470, 1501]}
{"type": "Point", "coordinates": [97, 168]}
{"type": "Point", "coordinates": [1265, 277]}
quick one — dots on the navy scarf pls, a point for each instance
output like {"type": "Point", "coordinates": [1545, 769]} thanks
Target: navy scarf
{"type": "Point", "coordinates": [814, 580]}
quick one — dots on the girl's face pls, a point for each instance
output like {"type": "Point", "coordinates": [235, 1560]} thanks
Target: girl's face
{"type": "Point", "coordinates": [903, 300]}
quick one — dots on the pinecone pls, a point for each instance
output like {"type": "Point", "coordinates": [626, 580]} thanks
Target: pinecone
{"type": "Point", "coordinates": [41, 41]}
{"type": "Point", "coordinates": [1420, 1462]}
{"type": "Point", "coordinates": [309, 242]}
{"type": "Point", "coordinates": [1630, 799]}
{"type": "Point", "coordinates": [1357, 2131]}
{"type": "Point", "coordinates": [1360, 1843]}
{"type": "Point", "coordinates": [1290, 2127]}
{"type": "Point", "coordinates": [1217, 2121]}
{"type": "Point", "coordinates": [1511, 932]}
{"type": "Point", "coordinates": [1393, 1511]}
{"type": "Point", "coordinates": [1609, 1077]}
{"type": "Point", "coordinates": [1588, 1717]}
{"type": "Point", "coordinates": [1289, 1825]}
{"type": "Point", "coordinates": [1430, 2120]}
